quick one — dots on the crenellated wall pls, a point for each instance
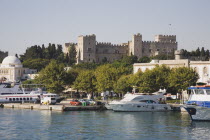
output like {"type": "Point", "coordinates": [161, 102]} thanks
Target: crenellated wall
{"type": "Point", "coordinates": [89, 50]}
{"type": "Point", "coordinates": [165, 38]}
{"type": "Point", "coordinates": [152, 48]}
{"type": "Point", "coordinates": [110, 51]}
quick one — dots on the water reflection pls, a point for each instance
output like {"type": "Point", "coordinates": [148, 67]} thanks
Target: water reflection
{"type": "Point", "coordinates": [36, 124]}
{"type": "Point", "coordinates": [199, 130]}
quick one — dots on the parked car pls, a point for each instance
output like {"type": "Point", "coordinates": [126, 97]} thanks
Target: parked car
{"type": "Point", "coordinates": [84, 101]}
{"type": "Point", "coordinates": [91, 101]}
{"type": "Point", "coordinates": [75, 102]}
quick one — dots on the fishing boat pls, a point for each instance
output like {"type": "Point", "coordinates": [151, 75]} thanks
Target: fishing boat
{"type": "Point", "coordinates": [141, 102]}
{"type": "Point", "coordinates": [198, 105]}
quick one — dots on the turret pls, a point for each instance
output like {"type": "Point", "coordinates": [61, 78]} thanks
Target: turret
{"type": "Point", "coordinates": [178, 55]}
{"type": "Point", "coordinates": [87, 48]}
{"type": "Point", "coordinates": [135, 46]}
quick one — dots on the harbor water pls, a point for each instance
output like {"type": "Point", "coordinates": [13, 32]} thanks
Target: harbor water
{"type": "Point", "coordinates": [16, 124]}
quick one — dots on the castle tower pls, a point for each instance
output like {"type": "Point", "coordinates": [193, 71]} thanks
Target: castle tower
{"type": "Point", "coordinates": [86, 48]}
{"type": "Point", "coordinates": [165, 38]}
{"type": "Point", "coordinates": [135, 46]}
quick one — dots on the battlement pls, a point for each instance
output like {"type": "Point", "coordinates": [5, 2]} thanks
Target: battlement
{"type": "Point", "coordinates": [70, 44]}
{"type": "Point", "coordinates": [109, 44]}
{"type": "Point", "coordinates": [158, 42]}
{"type": "Point", "coordinates": [138, 34]}
{"type": "Point", "coordinates": [165, 38]}
{"type": "Point", "coordinates": [148, 42]}
{"type": "Point", "coordinates": [86, 36]}
{"type": "Point", "coordinates": [166, 35]}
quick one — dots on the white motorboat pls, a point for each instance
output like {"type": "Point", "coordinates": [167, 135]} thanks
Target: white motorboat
{"type": "Point", "coordinates": [140, 102]}
{"type": "Point", "coordinates": [10, 94]}
{"type": "Point", "coordinates": [198, 105]}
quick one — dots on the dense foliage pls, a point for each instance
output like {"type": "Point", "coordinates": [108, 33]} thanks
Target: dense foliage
{"type": "Point", "coordinates": [153, 80]}
{"type": "Point", "coordinates": [37, 57]}
{"type": "Point", "coordinates": [53, 76]}
{"type": "Point", "coordinates": [181, 78]}
{"type": "Point", "coordinates": [198, 54]}
{"type": "Point", "coordinates": [38, 63]}
{"type": "Point", "coordinates": [86, 81]}
{"type": "Point", "coordinates": [117, 77]}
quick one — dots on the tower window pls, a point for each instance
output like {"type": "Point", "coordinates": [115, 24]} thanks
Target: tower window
{"type": "Point", "coordinates": [89, 49]}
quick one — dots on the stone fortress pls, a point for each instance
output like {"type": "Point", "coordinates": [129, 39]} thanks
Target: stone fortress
{"type": "Point", "coordinates": [89, 50]}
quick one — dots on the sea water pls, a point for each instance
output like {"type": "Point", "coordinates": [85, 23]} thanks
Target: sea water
{"type": "Point", "coordinates": [20, 124]}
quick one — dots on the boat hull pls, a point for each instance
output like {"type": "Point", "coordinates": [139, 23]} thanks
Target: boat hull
{"type": "Point", "coordinates": [140, 107]}
{"type": "Point", "coordinates": [198, 113]}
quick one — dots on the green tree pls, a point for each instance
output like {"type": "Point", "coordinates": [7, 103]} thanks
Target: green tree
{"type": "Point", "coordinates": [29, 82]}
{"type": "Point", "coordinates": [129, 60]}
{"type": "Point", "coordinates": [38, 64]}
{"type": "Point", "coordinates": [86, 81]}
{"type": "Point", "coordinates": [106, 77]}
{"type": "Point", "coordinates": [135, 79]}
{"type": "Point", "coordinates": [72, 55]}
{"type": "Point", "coordinates": [86, 66]}
{"type": "Point", "coordinates": [123, 84]}
{"type": "Point", "coordinates": [126, 63]}
{"type": "Point", "coordinates": [144, 59]}
{"type": "Point", "coordinates": [53, 76]}
{"type": "Point", "coordinates": [198, 52]}
{"type": "Point", "coordinates": [202, 51]}
{"type": "Point", "coordinates": [181, 78]}
{"type": "Point", "coordinates": [72, 75]}
{"type": "Point", "coordinates": [153, 80]}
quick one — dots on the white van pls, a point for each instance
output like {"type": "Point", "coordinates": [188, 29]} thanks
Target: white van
{"type": "Point", "coordinates": [48, 100]}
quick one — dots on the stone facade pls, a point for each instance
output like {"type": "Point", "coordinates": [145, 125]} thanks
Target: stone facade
{"type": "Point", "coordinates": [89, 50]}
{"type": "Point", "coordinates": [201, 67]}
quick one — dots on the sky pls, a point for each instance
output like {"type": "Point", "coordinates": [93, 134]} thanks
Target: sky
{"type": "Point", "coordinates": [24, 23]}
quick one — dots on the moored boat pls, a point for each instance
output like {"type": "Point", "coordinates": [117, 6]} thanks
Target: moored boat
{"type": "Point", "coordinates": [140, 102]}
{"type": "Point", "coordinates": [198, 105]}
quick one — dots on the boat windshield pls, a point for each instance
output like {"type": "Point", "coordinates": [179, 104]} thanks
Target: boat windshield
{"type": "Point", "coordinates": [199, 91]}
{"type": "Point", "coordinates": [147, 101]}
{"type": "Point", "coordinates": [208, 91]}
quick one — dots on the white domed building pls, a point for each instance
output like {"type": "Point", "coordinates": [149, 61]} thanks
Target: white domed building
{"type": "Point", "coordinates": [11, 70]}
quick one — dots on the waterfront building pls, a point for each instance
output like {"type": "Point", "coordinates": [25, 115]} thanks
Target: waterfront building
{"type": "Point", "coordinates": [89, 50]}
{"type": "Point", "coordinates": [201, 67]}
{"type": "Point", "coordinates": [12, 70]}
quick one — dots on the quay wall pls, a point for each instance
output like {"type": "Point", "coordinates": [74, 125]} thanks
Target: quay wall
{"type": "Point", "coordinates": [59, 107]}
